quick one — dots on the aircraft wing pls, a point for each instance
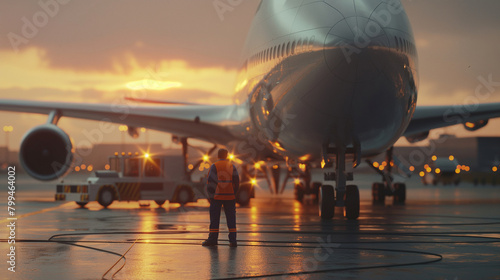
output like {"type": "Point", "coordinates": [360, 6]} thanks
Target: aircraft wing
{"type": "Point", "coordinates": [473, 116]}
{"type": "Point", "coordinates": [203, 122]}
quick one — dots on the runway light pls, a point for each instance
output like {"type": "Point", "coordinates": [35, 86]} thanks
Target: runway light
{"type": "Point", "coordinates": [254, 181]}
{"type": "Point", "coordinates": [376, 164]}
{"type": "Point", "coordinates": [205, 158]}
{"type": "Point", "coordinates": [495, 169]}
{"type": "Point", "coordinates": [422, 173]}
{"type": "Point", "coordinates": [457, 171]}
{"type": "Point", "coordinates": [90, 168]}
{"type": "Point", "coordinates": [384, 163]}
{"type": "Point", "coordinates": [77, 169]}
{"type": "Point", "coordinates": [190, 167]}
{"type": "Point", "coordinates": [297, 182]}
{"type": "Point", "coordinates": [381, 167]}
{"type": "Point", "coordinates": [429, 170]}
{"type": "Point", "coordinates": [146, 155]}
{"type": "Point", "coordinates": [257, 165]}
{"type": "Point", "coordinates": [426, 166]}
{"type": "Point", "coordinates": [231, 156]}
{"type": "Point", "coordinates": [451, 157]}
{"type": "Point", "coordinates": [323, 163]}
{"type": "Point", "coordinates": [438, 170]}
{"type": "Point", "coordinates": [276, 166]}
{"type": "Point", "coordinates": [412, 168]}
{"type": "Point", "coordinates": [83, 166]}
{"type": "Point", "coordinates": [107, 167]}
{"type": "Point", "coordinates": [434, 158]}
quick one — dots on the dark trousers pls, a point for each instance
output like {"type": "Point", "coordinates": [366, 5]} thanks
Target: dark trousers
{"type": "Point", "coordinates": [230, 211]}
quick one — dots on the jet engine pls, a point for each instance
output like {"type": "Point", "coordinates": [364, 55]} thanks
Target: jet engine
{"type": "Point", "coordinates": [473, 126]}
{"type": "Point", "coordinates": [417, 137]}
{"type": "Point", "coordinates": [46, 152]}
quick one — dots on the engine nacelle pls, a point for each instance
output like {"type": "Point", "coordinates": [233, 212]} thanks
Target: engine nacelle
{"type": "Point", "coordinates": [46, 152]}
{"type": "Point", "coordinates": [417, 137]}
{"type": "Point", "coordinates": [473, 126]}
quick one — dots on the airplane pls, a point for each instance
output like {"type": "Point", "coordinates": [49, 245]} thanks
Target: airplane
{"type": "Point", "coordinates": [321, 83]}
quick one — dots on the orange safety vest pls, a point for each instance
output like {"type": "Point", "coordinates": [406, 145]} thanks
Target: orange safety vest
{"type": "Point", "coordinates": [224, 189]}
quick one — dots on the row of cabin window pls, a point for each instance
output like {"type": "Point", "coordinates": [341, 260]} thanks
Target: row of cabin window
{"type": "Point", "coordinates": [279, 51]}
{"type": "Point", "coordinates": [405, 46]}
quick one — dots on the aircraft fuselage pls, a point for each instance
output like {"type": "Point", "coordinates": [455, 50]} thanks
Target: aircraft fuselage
{"type": "Point", "coordinates": [334, 73]}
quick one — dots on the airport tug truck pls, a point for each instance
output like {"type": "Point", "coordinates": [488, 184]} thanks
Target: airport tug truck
{"type": "Point", "coordinates": [138, 178]}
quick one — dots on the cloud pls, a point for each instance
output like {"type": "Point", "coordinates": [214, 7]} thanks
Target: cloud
{"type": "Point", "coordinates": [102, 35]}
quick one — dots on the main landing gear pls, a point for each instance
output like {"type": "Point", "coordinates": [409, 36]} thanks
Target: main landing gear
{"type": "Point", "coordinates": [387, 187]}
{"type": "Point", "coordinates": [302, 182]}
{"type": "Point", "coordinates": [346, 196]}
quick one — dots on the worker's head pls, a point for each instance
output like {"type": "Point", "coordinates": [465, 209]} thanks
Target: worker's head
{"type": "Point", "coordinates": [223, 154]}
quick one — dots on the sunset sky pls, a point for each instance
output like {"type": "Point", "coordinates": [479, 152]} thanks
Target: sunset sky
{"type": "Point", "coordinates": [99, 51]}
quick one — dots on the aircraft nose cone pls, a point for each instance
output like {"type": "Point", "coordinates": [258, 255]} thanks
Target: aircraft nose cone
{"type": "Point", "coordinates": [350, 47]}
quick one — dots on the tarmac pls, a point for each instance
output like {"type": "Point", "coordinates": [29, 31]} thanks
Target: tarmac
{"type": "Point", "coordinates": [442, 232]}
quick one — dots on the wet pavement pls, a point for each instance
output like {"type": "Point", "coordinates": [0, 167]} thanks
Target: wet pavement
{"type": "Point", "coordinates": [443, 232]}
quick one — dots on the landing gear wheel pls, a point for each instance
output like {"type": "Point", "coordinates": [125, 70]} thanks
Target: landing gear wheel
{"type": "Point", "coordinates": [184, 195]}
{"type": "Point", "coordinates": [378, 193]}
{"type": "Point", "coordinates": [243, 195]}
{"type": "Point", "coordinates": [81, 204]}
{"type": "Point", "coordinates": [315, 191]}
{"type": "Point", "coordinates": [352, 202]}
{"type": "Point", "coordinates": [160, 202]}
{"type": "Point", "coordinates": [106, 196]}
{"type": "Point", "coordinates": [399, 194]}
{"type": "Point", "coordinates": [326, 202]}
{"type": "Point", "coordinates": [299, 192]}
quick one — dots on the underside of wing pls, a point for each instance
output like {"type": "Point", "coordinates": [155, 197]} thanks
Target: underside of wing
{"type": "Point", "coordinates": [203, 122]}
{"type": "Point", "coordinates": [426, 118]}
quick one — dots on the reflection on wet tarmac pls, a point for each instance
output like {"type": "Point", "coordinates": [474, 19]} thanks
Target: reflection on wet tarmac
{"type": "Point", "coordinates": [279, 238]}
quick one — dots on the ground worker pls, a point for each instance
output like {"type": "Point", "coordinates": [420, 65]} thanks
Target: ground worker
{"type": "Point", "coordinates": [222, 185]}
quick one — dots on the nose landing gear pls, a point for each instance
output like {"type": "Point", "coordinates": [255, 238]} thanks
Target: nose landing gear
{"type": "Point", "coordinates": [346, 196]}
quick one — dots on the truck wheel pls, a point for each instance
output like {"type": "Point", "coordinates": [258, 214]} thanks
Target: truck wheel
{"type": "Point", "coordinates": [243, 195]}
{"type": "Point", "coordinates": [184, 195]}
{"type": "Point", "coordinates": [160, 202]}
{"type": "Point", "coordinates": [106, 196]}
{"type": "Point", "coordinates": [81, 204]}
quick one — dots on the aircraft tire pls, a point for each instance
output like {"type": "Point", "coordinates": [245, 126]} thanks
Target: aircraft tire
{"type": "Point", "coordinates": [352, 202]}
{"type": "Point", "coordinates": [326, 202]}
{"type": "Point", "coordinates": [315, 191]}
{"type": "Point", "coordinates": [399, 194]}
{"type": "Point", "coordinates": [378, 193]}
{"type": "Point", "coordinates": [299, 192]}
